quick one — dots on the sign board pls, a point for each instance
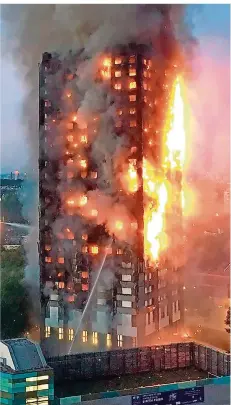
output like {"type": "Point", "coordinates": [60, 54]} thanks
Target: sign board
{"type": "Point", "coordinates": [180, 397]}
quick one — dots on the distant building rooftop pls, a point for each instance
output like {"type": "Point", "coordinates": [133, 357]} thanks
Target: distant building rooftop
{"type": "Point", "coordinates": [21, 355]}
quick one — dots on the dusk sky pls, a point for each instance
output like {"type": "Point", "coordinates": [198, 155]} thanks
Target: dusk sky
{"type": "Point", "coordinates": [212, 27]}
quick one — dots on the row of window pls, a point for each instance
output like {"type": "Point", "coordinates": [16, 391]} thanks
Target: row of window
{"type": "Point", "coordinates": [37, 387]}
{"type": "Point", "coordinates": [132, 86]}
{"type": "Point", "coordinates": [85, 336]}
{"type": "Point", "coordinates": [85, 249]}
{"type": "Point", "coordinates": [38, 401]}
{"type": "Point", "coordinates": [132, 59]}
{"type": "Point", "coordinates": [132, 72]}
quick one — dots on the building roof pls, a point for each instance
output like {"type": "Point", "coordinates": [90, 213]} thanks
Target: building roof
{"type": "Point", "coordinates": [25, 354]}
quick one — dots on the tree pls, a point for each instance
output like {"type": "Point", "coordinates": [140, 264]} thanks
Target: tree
{"type": "Point", "coordinates": [227, 321]}
{"type": "Point", "coordinates": [15, 303]}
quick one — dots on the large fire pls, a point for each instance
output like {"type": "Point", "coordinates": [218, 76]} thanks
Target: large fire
{"type": "Point", "coordinates": [158, 189]}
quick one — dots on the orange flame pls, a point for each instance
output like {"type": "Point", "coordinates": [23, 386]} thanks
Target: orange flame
{"type": "Point", "coordinates": [130, 178]}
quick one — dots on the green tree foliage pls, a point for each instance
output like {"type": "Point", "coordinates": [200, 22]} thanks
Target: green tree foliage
{"type": "Point", "coordinates": [11, 208]}
{"type": "Point", "coordinates": [15, 303]}
{"type": "Point", "coordinates": [227, 321]}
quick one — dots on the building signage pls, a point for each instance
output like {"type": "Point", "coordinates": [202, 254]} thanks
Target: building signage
{"type": "Point", "coordinates": [180, 397]}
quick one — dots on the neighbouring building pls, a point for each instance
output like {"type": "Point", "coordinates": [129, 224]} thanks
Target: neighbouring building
{"type": "Point", "coordinates": [143, 297]}
{"type": "Point", "coordinates": [25, 376]}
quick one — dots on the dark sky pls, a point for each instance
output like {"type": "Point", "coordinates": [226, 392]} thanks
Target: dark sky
{"type": "Point", "coordinates": [211, 22]}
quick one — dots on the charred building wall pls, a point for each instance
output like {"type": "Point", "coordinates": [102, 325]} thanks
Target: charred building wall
{"type": "Point", "coordinates": [134, 298]}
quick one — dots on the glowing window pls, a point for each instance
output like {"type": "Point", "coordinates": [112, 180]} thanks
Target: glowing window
{"type": "Point", "coordinates": [85, 287]}
{"type": "Point", "coordinates": [47, 331]}
{"type": "Point", "coordinates": [48, 259]}
{"type": "Point", "coordinates": [94, 213]}
{"type": "Point", "coordinates": [132, 85]}
{"type": "Point", "coordinates": [119, 112]}
{"type": "Point", "coordinates": [47, 103]}
{"type": "Point", "coordinates": [132, 124]}
{"type": "Point", "coordinates": [93, 175]}
{"type": "Point", "coordinates": [83, 174]}
{"type": "Point", "coordinates": [117, 86]}
{"type": "Point", "coordinates": [109, 340]}
{"type": "Point", "coordinates": [60, 333]}
{"type": "Point", "coordinates": [95, 338]}
{"type": "Point", "coordinates": [145, 99]}
{"type": "Point", "coordinates": [84, 274]}
{"type": "Point", "coordinates": [47, 247]}
{"type": "Point", "coordinates": [132, 59]}
{"type": "Point", "coordinates": [83, 139]}
{"type": "Point", "coordinates": [120, 340]}
{"type": "Point", "coordinates": [70, 334]}
{"type": "Point", "coordinates": [61, 284]}
{"type": "Point", "coordinates": [70, 175]}
{"type": "Point", "coordinates": [132, 97]}
{"type": "Point", "coordinates": [83, 163]}
{"type": "Point", "coordinates": [70, 138]}
{"type": "Point", "coordinates": [145, 61]}
{"type": "Point", "coordinates": [43, 387]}
{"type": "Point", "coordinates": [145, 86]}
{"type": "Point", "coordinates": [145, 73]}
{"type": "Point", "coordinates": [94, 250]}
{"type": "Point", "coordinates": [32, 388]}
{"type": "Point", "coordinates": [119, 252]}
{"type": "Point", "coordinates": [132, 111]}
{"type": "Point", "coordinates": [84, 336]}
{"type": "Point", "coordinates": [132, 72]}
{"type": "Point", "coordinates": [118, 73]}
{"type": "Point", "coordinates": [61, 260]}
{"type": "Point", "coordinates": [118, 61]}
{"type": "Point", "coordinates": [85, 236]}
{"type": "Point", "coordinates": [84, 249]}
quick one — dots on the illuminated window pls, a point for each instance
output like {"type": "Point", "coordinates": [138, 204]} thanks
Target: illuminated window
{"type": "Point", "coordinates": [84, 336]}
{"type": "Point", "coordinates": [118, 61]}
{"type": "Point", "coordinates": [132, 111]}
{"type": "Point", "coordinates": [70, 334]}
{"type": "Point", "coordinates": [132, 97]}
{"type": "Point", "coordinates": [84, 274]}
{"type": "Point", "coordinates": [118, 73]}
{"type": "Point", "coordinates": [43, 387]}
{"type": "Point", "coordinates": [85, 236]}
{"type": "Point", "coordinates": [94, 250]}
{"type": "Point", "coordinates": [132, 59]}
{"type": "Point", "coordinates": [94, 213]}
{"type": "Point", "coordinates": [83, 163]}
{"type": "Point", "coordinates": [60, 333]}
{"type": "Point", "coordinates": [70, 138]}
{"type": "Point", "coordinates": [95, 338]}
{"type": "Point", "coordinates": [117, 86]}
{"type": "Point", "coordinates": [119, 112]}
{"type": "Point", "coordinates": [145, 99]}
{"type": "Point", "coordinates": [84, 249]}
{"type": "Point", "coordinates": [47, 103]}
{"type": "Point", "coordinates": [108, 340]}
{"type": "Point", "coordinates": [32, 388]}
{"type": "Point", "coordinates": [120, 340]}
{"type": "Point", "coordinates": [47, 247]}
{"type": "Point", "coordinates": [83, 139]}
{"type": "Point", "coordinates": [145, 86]}
{"type": "Point", "coordinates": [93, 175]}
{"type": "Point", "coordinates": [132, 85]}
{"type": "Point", "coordinates": [61, 284]}
{"type": "Point", "coordinates": [48, 259]}
{"type": "Point", "coordinates": [83, 174]}
{"type": "Point", "coordinates": [145, 61]}
{"type": "Point", "coordinates": [132, 72]}
{"type": "Point", "coordinates": [85, 287]}
{"type": "Point", "coordinates": [132, 124]}
{"type": "Point", "coordinates": [61, 260]}
{"type": "Point", "coordinates": [145, 73]}
{"type": "Point", "coordinates": [47, 331]}
{"type": "Point", "coordinates": [119, 252]}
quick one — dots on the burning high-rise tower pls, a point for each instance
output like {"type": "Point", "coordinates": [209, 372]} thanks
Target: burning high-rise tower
{"type": "Point", "coordinates": [111, 160]}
